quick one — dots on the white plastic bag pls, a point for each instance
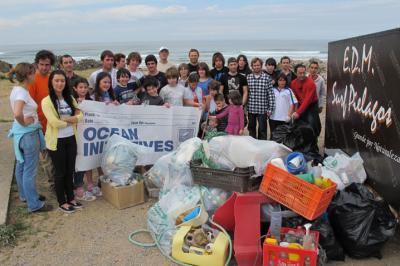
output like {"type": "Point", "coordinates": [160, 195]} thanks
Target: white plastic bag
{"type": "Point", "coordinates": [333, 177]}
{"type": "Point", "coordinates": [119, 159]}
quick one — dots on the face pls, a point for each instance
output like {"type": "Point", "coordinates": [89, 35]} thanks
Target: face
{"type": "Point", "coordinates": [256, 67]}
{"type": "Point", "coordinates": [81, 89]}
{"type": "Point", "coordinates": [172, 81]}
{"type": "Point", "coordinates": [241, 62]}
{"type": "Point", "coordinates": [67, 64]}
{"type": "Point", "coordinates": [285, 64]}
{"type": "Point", "coordinates": [31, 77]}
{"type": "Point", "coordinates": [313, 69]}
{"type": "Point", "coordinates": [218, 63]}
{"type": "Point", "coordinates": [121, 63]}
{"type": "Point", "coordinates": [152, 91]}
{"type": "Point", "coordinates": [281, 83]}
{"type": "Point", "coordinates": [105, 84]}
{"type": "Point", "coordinates": [123, 80]}
{"type": "Point", "coordinates": [108, 62]}
{"type": "Point", "coordinates": [193, 85]}
{"type": "Point", "coordinates": [270, 68]}
{"type": "Point", "coordinates": [183, 72]}
{"type": "Point", "coordinates": [163, 54]}
{"type": "Point", "coordinates": [233, 67]}
{"type": "Point", "coordinates": [133, 64]}
{"type": "Point", "coordinates": [193, 57]}
{"type": "Point", "coordinates": [58, 83]}
{"type": "Point", "coordinates": [202, 73]}
{"type": "Point", "coordinates": [213, 93]}
{"type": "Point", "coordinates": [220, 104]}
{"type": "Point", "coordinates": [151, 66]}
{"type": "Point", "coordinates": [301, 73]}
{"type": "Point", "coordinates": [213, 122]}
{"type": "Point", "coordinates": [44, 66]}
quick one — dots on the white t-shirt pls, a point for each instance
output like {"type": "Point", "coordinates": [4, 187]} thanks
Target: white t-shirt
{"type": "Point", "coordinates": [283, 99]}
{"type": "Point", "coordinates": [19, 93]}
{"type": "Point", "coordinates": [65, 111]}
{"type": "Point", "coordinates": [135, 76]}
{"type": "Point", "coordinates": [163, 67]}
{"type": "Point", "coordinates": [93, 76]}
{"type": "Point", "coordinates": [175, 95]}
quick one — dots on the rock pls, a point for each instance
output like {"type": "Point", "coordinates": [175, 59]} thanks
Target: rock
{"type": "Point", "coordinates": [87, 64]}
{"type": "Point", "coordinates": [5, 67]}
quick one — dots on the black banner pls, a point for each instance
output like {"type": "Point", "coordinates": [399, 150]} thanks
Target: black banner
{"type": "Point", "coordinates": [363, 106]}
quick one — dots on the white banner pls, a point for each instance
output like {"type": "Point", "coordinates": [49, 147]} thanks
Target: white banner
{"type": "Point", "coordinates": [160, 128]}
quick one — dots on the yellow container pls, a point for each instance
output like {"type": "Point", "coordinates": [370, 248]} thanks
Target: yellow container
{"type": "Point", "coordinates": [216, 258]}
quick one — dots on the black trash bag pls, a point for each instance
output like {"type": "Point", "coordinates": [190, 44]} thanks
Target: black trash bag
{"type": "Point", "coordinates": [362, 223]}
{"type": "Point", "coordinates": [298, 136]}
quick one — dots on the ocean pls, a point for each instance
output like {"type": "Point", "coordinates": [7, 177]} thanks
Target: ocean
{"type": "Point", "coordinates": [295, 49]}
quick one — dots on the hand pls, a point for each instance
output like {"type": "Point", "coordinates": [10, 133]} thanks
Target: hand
{"type": "Point", "coordinates": [115, 102]}
{"type": "Point", "coordinates": [320, 109]}
{"type": "Point", "coordinates": [212, 117]}
{"type": "Point", "coordinates": [167, 105]}
{"type": "Point", "coordinates": [29, 120]}
{"type": "Point", "coordinates": [70, 119]}
{"type": "Point", "coordinates": [241, 132]}
{"type": "Point", "coordinates": [269, 113]}
{"type": "Point", "coordinates": [295, 116]}
{"type": "Point", "coordinates": [130, 102]}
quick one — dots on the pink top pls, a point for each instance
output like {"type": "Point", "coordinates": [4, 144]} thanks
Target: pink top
{"type": "Point", "coordinates": [235, 115]}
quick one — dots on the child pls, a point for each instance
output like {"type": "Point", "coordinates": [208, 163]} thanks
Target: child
{"type": "Point", "coordinates": [205, 77]}
{"type": "Point", "coordinates": [183, 74]}
{"type": "Point", "coordinates": [151, 96]}
{"type": "Point", "coordinates": [124, 91]}
{"type": "Point", "coordinates": [81, 93]}
{"type": "Point", "coordinates": [173, 93]}
{"type": "Point", "coordinates": [103, 91]}
{"type": "Point", "coordinates": [220, 108]}
{"type": "Point", "coordinates": [209, 105]}
{"type": "Point", "coordinates": [133, 61]}
{"type": "Point", "coordinates": [196, 91]}
{"type": "Point", "coordinates": [62, 114]}
{"type": "Point", "coordinates": [209, 127]}
{"type": "Point", "coordinates": [285, 103]}
{"type": "Point", "coordinates": [235, 114]}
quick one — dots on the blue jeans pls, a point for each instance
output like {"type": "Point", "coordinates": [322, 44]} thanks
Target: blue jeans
{"type": "Point", "coordinates": [25, 172]}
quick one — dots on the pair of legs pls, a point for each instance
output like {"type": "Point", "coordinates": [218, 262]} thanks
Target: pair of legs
{"type": "Point", "coordinates": [261, 120]}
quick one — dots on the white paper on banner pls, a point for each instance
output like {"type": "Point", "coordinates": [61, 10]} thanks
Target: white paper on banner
{"type": "Point", "coordinates": [160, 128]}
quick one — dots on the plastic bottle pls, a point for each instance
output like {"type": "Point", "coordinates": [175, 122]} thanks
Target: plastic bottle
{"type": "Point", "coordinates": [316, 171]}
{"type": "Point", "coordinates": [276, 224]}
{"type": "Point", "coordinates": [278, 162]}
{"type": "Point", "coordinates": [307, 240]}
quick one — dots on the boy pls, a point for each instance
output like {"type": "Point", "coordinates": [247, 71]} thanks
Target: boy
{"type": "Point", "coordinates": [163, 65]}
{"type": "Point", "coordinates": [125, 92]}
{"type": "Point", "coordinates": [221, 106]}
{"type": "Point", "coordinates": [151, 63]}
{"type": "Point", "coordinates": [174, 93]}
{"type": "Point", "coordinates": [220, 71]}
{"type": "Point", "coordinates": [285, 68]}
{"type": "Point", "coordinates": [236, 81]}
{"type": "Point", "coordinates": [151, 97]}
{"type": "Point", "coordinates": [119, 61]}
{"type": "Point", "coordinates": [193, 60]}
{"type": "Point", "coordinates": [107, 61]}
{"type": "Point", "coordinates": [319, 83]}
{"type": "Point", "coordinates": [270, 70]}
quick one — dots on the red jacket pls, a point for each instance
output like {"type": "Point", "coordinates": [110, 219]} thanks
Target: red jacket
{"type": "Point", "coordinates": [305, 92]}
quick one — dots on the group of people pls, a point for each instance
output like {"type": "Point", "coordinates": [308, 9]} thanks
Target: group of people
{"type": "Point", "coordinates": [45, 104]}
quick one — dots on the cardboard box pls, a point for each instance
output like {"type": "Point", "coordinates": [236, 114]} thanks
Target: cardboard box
{"type": "Point", "coordinates": [123, 196]}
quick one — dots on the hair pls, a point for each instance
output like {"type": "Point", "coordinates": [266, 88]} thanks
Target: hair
{"type": "Point", "coordinates": [256, 59]}
{"type": "Point", "coordinates": [77, 81]}
{"type": "Point", "coordinates": [66, 93]}
{"type": "Point", "coordinates": [246, 66]}
{"type": "Point", "coordinates": [43, 55]}
{"type": "Point", "coordinates": [270, 61]}
{"type": "Point", "coordinates": [150, 82]}
{"type": "Point", "coordinates": [219, 98]}
{"type": "Point", "coordinates": [216, 56]}
{"type": "Point", "coordinates": [61, 59]}
{"type": "Point", "coordinates": [193, 77]}
{"type": "Point", "coordinates": [172, 72]}
{"type": "Point", "coordinates": [205, 67]}
{"type": "Point", "coordinates": [235, 97]}
{"type": "Point", "coordinates": [232, 60]}
{"type": "Point", "coordinates": [118, 57]}
{"type": "Point", "coordinates": [214, 85]}
{"type": "Point", "coordinates": [134, 56]}
{"type": "Point", "coordinates": [150, 58]}
{"type": "Point", "coordinates": [193, 50]}
{"type": "Point", "coordinates": [106, 53]}
{"type": "Point", "coordinates": [313, 62]}
{"type": "Point", "coordinates": [285, 57]}
{"type": "Point", "coordinates": [183, 66]}
{"type": "Point", "coordinates": [123, 72]}
{"type": "Point", "coordinates": [299, 66]}
{"type": "Point", "coordinates": [21, 72]}
{"type": "Point", "coordinates": [97, 91]}
{"type": "Point", "coordinates": [282, 76]}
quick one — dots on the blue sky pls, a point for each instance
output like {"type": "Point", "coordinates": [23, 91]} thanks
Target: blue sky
{"type": "Point", "coordinates": [77, 21]}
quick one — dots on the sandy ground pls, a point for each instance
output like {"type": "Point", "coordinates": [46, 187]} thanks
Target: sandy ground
{"type": "Point", "coordinates": [98, 234]}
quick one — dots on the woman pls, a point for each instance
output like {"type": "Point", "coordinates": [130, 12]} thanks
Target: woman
{"type": "Point", "coordinates": [62, 114]}
{"type": "Point", "coordinates": [28, 138]}
{"type": "Point", "coordinates": [243, 65]}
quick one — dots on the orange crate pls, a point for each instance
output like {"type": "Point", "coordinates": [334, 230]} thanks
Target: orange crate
{"type": "Point", "coordinates": [304, 198]}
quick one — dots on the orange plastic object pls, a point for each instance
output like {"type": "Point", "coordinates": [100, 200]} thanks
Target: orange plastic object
{"type": "Point", "coordinates": [304, 198]}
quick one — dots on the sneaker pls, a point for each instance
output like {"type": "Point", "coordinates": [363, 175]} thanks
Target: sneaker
{"type": "Point", "coordinates": [87, 196]}
{"type": "Point", "coordinates": [69, 209]}
{"type": "Point", "coordinates": [76, 205]}
{"type": "Point", "coordinates": [45, 208]}
{"type": "Point", "coordinates": [96, 191]}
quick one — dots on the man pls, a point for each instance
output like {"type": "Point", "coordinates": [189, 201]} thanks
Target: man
{"type": "Point", "coordinates": [38, 90]}
{"type": "Point", "coordinates": [306, 94]}
{"type": "Point", "coordinates": [107, 60]}
{"type": "Point", "coordinates": [119, 61]}
{"type": "Point", "coordinates": [67, 64]}
{"type": "Point", "coordinates": [285, 68]}
{"type": "Point", "coordinates": [271, 71]}
{"type": "Point", "coordinates": [236, 81]}
{"type": "Point", "coordinates": [261, 102]}
{"type": "Point", "coordinates": [151, 63]}
{"type": "Point", "coordinates": [319, 83]}
{"type": "Point", "coordinates": [193, 60]}
{"type": "Point", "coordinates": [163, 65]}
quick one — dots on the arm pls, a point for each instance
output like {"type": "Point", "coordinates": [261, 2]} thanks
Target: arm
{"type": "Point", "coordinates": [223, 114]}
{"type": "Point", "coordinates": [322, 96]}
{"type": "Point", "coordinates": [50, 114]}
{"type": "Point", "coordinates": [310, 94]}
{"type": "Point", "coordinates": [270, 99]}
{"type": "Point", "coordinates": [245, 94]}
{"type": "Point", "coordinates": [19, 115]}
{"type": "Point", "coordinates": [241, 120]}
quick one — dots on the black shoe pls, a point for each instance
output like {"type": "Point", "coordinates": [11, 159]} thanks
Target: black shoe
{"type": "Point", "coordinates": [45, 208]}
{"type": "Point", "coordinates": [41, 198]}
{"type": "Point", "coordinates": [69, 209]}
{"type": "Point", "coordinates": [76, 205]}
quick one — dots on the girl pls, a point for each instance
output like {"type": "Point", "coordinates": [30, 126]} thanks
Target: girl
{"type": "Point", "coordinates": [243, 65]}
{"type": "Point", "coordinates": [103, 91]}
{"type": "Point", "coordinates": [235, 114]}
{"type": "Point", "coordinates": [28, 138]}
{"type": "Point", "coordinates": [81, 93]}
{"type": "Point", "coordinates": [62, 114]}
{"type": "Point", "coordinates": [174, 93]}
{"type": "Point", "coordinates": [209, 105]}
{"type": "Point", "coordinates": [205, 77]}
{"type": "Point", "coordinates": [197, 92]}
{"type": "Point", "coordinates": [285, 102]}
{"type": "Point", "coordinates": [183, 74]}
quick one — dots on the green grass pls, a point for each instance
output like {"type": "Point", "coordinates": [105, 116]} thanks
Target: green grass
{"type": "Point", "coordinates": [2, 120]}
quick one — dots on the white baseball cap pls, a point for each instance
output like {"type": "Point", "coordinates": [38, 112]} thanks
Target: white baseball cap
{"type": "Point", "coordinates": [163, 48]}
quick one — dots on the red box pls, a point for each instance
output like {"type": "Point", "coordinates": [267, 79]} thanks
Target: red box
{"type": "Point", "coordinates": [277, 255]}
